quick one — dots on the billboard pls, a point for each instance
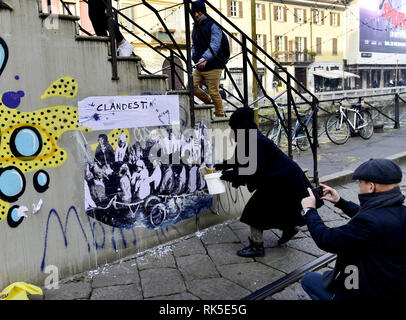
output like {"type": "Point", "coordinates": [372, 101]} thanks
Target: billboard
{"type": "Point", "coordinates": [383, 26]}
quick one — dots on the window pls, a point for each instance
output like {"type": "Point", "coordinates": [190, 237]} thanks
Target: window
{"type": "Point", "coordinates": [318, 17]}
{"type": "Point", "coordinates": [318, 45]}
{"type": "Point", "coordinates": [300, 16]}
{"type": "Point", "coordinates": [279, 14]}
{"type": "Point", "coordinates": [261, 41]}
{"type": "Point", "coordinates": [300, 44]}
{"type": "Point", "coordinates": [260, 11]}
{"type": "Point", "coordinates": [335, 47]}
{"type": "Point", "coordinates": [234, 12]}
{"type": "Point", "coordinates": [335, 19]}
{"type": "Point", "coordinates": [129, 12]}
{"type": "Point", "coordinates": [72, 8]}
{"type": "Point", "coordinates": [280, 44]}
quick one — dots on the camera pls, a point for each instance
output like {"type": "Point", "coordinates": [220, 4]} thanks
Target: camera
{"type": "Point", "coordinates": [318, 193]}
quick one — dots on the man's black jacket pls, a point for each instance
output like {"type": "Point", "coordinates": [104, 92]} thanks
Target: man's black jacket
{"type": "Point", "coordinates": [374, 241]}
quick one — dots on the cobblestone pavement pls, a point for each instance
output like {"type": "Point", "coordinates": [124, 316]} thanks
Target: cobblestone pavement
{"type": "Point", "coordinates": [204, 265]}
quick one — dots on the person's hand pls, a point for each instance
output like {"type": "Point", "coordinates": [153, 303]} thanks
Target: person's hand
{"type": "Point", "coordinates": [310, 201]}
{"type": "Point", "coordinates": [330, 194]}
{"type": "Point", "coordinates": [202, 63]}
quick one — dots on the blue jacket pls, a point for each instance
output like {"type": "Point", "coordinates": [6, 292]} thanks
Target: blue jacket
{"type": "Point", "coordinates": [374, 241]}
{"type": "Point", "coordinates": [205, 32]}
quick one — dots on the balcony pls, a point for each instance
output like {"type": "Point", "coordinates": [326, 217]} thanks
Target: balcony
{"type": "Point", "coordinates": [179, 37]}
{"type": "Point", "coordinates": [289, 57]}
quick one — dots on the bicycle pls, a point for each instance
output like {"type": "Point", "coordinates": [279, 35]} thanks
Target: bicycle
{"type": "Point", "coordinates": [299, 135]}
{"type": "Point", "coordinates": [338, 125]}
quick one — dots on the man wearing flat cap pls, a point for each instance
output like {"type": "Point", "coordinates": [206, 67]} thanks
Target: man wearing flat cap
{"type": "Point", "coordinates": [371, 247]}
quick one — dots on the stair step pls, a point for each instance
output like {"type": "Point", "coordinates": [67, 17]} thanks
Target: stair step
{"type": "Point", "coordinates": [152, 76]}
{"type": "Point", "coordinates": [204, 106]}
{"type": "Point", "coordinates": [59, 16]}
{"type": "Point", "coordinates": [179, 92]}
{"type": "Point", "coordinates": [220, 119]}
{"type": "Point", "coordinates": [130, 58]}
{"type": "Point", "coordinates": [92, 38]}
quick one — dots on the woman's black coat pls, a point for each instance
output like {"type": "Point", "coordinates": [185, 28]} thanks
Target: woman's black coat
{"type": "Point", "coordinates": [280, 186]}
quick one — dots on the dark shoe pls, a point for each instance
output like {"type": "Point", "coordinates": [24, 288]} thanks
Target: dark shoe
{"type": "Point", "coordinates": [287, 235]}
{"type": "Point", "coordinates": [255, 249]}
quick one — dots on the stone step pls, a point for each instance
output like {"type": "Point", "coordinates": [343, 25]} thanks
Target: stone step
{"type": "Point", "coordinates": [92, 38]}
{"type": "Point", "coordinates": [68, 17]}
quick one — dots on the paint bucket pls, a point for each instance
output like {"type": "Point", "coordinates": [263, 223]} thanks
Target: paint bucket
{"type": "Point", "coordinates": [214, 184]}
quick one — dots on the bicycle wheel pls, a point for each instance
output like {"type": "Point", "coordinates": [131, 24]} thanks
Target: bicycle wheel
{"type": "Point", "coordinates": [302, 141]}
{"type": "Point", "coordinates": [337, 133]}
{"type": "Point", "coordinates": [367, 124]}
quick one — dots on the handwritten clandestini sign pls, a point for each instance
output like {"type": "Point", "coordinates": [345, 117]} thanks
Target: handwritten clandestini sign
{"type": "Point", "coordinates": [101, 113]}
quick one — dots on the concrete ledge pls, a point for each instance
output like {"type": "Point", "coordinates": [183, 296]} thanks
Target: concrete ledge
{"type": "Point", "coordinates": [204, 106]}
{"type": "Point", "coordinates": [153, 76]}
{"type": "Point", "coordinates": [59, 16]}
{"type": "Point", "coordinates": [344, 177]}
{"type": "Point", "coordinates": [179, 92]}
{"type": "Point", "coordinates": [220, 120]}
{"type": "Point", "coordinates": [92, 38]}
{"type": "Point", "coordinates": [130, 58]}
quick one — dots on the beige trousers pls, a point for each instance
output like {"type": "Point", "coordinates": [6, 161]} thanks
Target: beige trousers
{"type": "Point", "coordinates": [212, 78]}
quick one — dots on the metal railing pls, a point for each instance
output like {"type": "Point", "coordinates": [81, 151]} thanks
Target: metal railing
{"type": "Point", "coordinates": [291, 278]}
{"type": "Point", "coordinates": [294, 89]}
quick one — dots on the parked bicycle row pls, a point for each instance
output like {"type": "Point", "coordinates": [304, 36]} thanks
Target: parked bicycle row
{"type": "Point", "coordinates": [346, 120]}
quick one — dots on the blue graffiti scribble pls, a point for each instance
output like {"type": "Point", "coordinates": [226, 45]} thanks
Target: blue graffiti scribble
{"type": "Point", "coordinates": [113, 240]}
{"type": "Point", "coordinates": [64, 231]}
{"type": "Point", "coordinates": [12, 99]}
{"type": "Point", "coordinates": [17, 77]}
{"type": "Point", "coordinates": [96, 117]}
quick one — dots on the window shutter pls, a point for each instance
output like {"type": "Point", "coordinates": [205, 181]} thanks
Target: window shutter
{"type": "Point", "coordinates": [264, 39]}
{"type": "Point", "coordinates": [318, 45]}
{"type": "Point", "coordinates": [275, 13]}
{"type": "Point", "coordinates": [335, 46]}
{"type": "Point", "coordinates": [305, 43]}
{"type": "Point", "coordinates": [304, 16]}
{"type": "Point", "coordinates": [228, 8]}
{"type": "Point", "coordinates": [240, 8]}
{"type": "Point", "coordinates": [314, 16]}
{"type": "Point", "coordinates": [286, 44]}
{"type": "Point", "coordinates": [338, 19]}
{"type": "Point", "coordinates": [276, 43]}
{"type": "Point", "coordinates": [295, 15]}
{"type": "Point", "coordinates": [296, 44]}
{"type": "Point", "coordinates": [285, 14]}
{"type": "Point", "coordinates": [331, 18]}
{"type": "Point", "coordinates": [263, 11]}
{"type": "Point", "coordinates": [322, 18]}
{"type": "Point", "coordinates": [290, 46]}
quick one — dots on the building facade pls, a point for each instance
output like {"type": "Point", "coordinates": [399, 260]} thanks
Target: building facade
{"type": "Point", "coordinates": [306, 37]}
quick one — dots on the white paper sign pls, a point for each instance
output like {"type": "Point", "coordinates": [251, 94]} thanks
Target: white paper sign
{"type": "Point", "coordinates": [101, 113]}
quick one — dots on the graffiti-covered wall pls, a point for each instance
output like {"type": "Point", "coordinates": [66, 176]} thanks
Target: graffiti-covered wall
{"type": "Point", "coordinates": [75, 195]}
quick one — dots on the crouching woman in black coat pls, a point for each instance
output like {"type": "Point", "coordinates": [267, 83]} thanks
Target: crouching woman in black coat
{"type": "Point", "coordinates": [279, 184]}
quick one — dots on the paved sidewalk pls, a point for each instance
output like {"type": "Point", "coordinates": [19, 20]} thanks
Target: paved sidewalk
{"type": "Point", "coordinates": [205, 266]}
